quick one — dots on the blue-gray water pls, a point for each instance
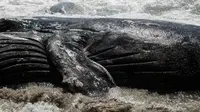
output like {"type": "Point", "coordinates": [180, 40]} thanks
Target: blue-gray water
{"type": "Point", "coordinates": [46, 98]}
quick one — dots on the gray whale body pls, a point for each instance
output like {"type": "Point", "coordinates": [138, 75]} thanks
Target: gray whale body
{"type": "Point", "coordinates": [93, 54]}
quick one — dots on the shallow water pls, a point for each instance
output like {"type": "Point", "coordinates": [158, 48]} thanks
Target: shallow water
{"type": "Point", "coordinates": [47, 98]}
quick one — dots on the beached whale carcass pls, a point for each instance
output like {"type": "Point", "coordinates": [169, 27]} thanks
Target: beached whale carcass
{"type": "Point", "coordinates": [92, 54]}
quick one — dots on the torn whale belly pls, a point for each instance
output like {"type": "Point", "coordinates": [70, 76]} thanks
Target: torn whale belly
{"type": "Point", "coordinates": [24, 61]}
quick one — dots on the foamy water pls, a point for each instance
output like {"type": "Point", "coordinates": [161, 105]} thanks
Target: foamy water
{"type": "Point", "coordinates": [47, 98]}
{"type": "Point", "coordinates": [186, 11]}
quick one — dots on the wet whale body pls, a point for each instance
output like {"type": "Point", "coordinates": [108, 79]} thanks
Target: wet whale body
{"type": "Point", "coordinates": [92, 55]}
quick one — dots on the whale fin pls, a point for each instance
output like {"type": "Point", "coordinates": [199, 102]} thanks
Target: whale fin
{"type": "Point", "coordinates": [80, 74]}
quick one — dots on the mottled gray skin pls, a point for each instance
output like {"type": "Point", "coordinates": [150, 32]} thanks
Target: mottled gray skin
{"type": "Point", "coordinates": [137, 53]}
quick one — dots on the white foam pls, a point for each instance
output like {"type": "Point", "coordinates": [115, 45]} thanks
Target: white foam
{"type": "Point", "coordinates": [185, 11]}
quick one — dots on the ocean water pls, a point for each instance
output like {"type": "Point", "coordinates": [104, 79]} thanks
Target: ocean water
{"type": "Point", "coordinates": [47, 98]}
{"type": "Point", "coordinates": [186, 11]}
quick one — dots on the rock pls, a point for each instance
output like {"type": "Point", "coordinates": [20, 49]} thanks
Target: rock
{"type": "Point", "coordinates": [67, 8]}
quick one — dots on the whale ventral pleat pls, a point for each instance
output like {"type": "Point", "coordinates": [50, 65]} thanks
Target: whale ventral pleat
{"type": "Point", "coordinates": [23, 61]}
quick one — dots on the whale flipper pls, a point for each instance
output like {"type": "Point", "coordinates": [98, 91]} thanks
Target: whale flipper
{"type": "Point", "coordinates": [80, 74]}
